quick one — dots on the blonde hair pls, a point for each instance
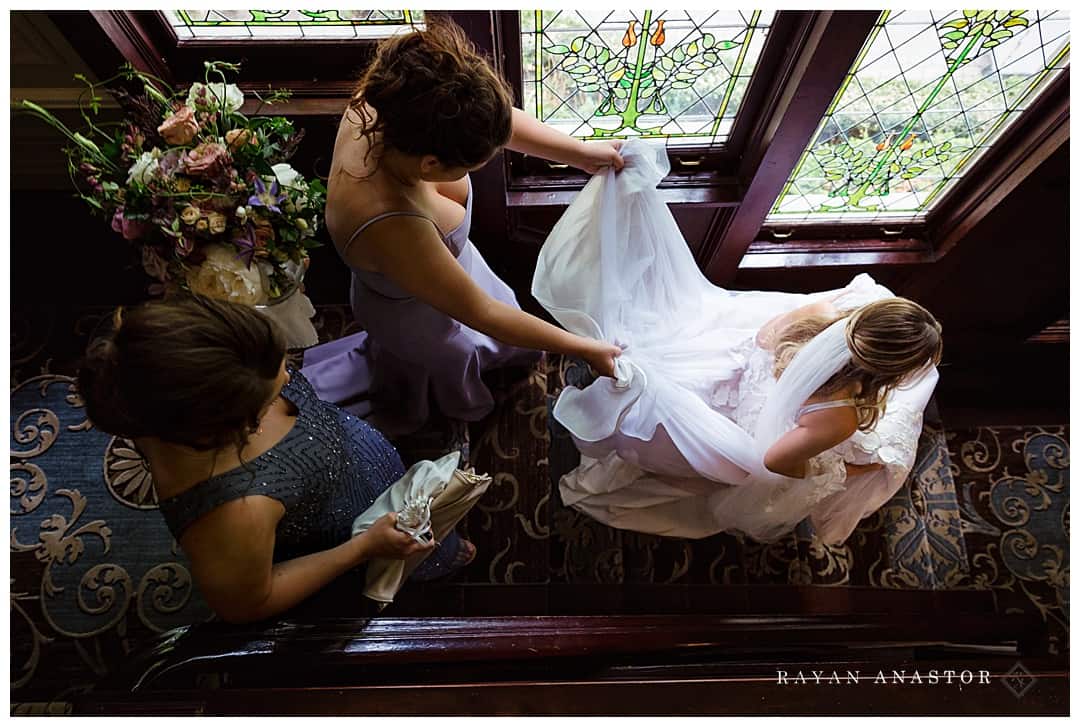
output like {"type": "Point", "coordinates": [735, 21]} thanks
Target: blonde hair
{"type": "Point", "coordinates": [890, 340]}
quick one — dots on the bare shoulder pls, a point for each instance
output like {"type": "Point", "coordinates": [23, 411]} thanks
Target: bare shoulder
{"type": "Point", "coordinates": [352, 203]}
{"type": "Point", "coordinates": [832, 425]}
{"type": "Point", "coordinates": [823, 308]}
{"type": "Point", "coordinates": [217, 533]}
{"type": "Point", "coordinates": [768, 333]}
{"type": "Point", "coordinates": [231, 549]}
{"type": "Point", "coordinates": [394, 236]}
{"type": "Point", "coordinates": [356, 192]}
{"type": "Point", "coordinates": [810, 310]}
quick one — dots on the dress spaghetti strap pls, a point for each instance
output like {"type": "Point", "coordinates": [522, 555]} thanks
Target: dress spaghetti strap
{"type": "Point", "coordinates": [835, 404]}
{"type": "Point", "coordinates": [383, 216]}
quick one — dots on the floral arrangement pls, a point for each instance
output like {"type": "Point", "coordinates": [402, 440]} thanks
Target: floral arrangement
{"type": "Point", "coordinates": [205, 191]}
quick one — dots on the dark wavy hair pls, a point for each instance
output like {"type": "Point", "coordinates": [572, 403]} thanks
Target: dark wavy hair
{"type": "Point", "coordinates": [188, 370]}
{"type": "Point", "coordinates": [433, 93]}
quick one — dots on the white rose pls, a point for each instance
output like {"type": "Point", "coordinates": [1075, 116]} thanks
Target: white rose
{"type": "Point", "coordinates": [224, 276]}
{"type": "Point", "coordinates": [144, 167]}
{"type": "Point", "coordinates": [228, 95]}
{"type": "Point", "coordinates": [288, 177]}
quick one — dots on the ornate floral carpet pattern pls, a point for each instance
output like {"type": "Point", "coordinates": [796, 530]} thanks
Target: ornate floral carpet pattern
{"type": "Point", "coordinates": [94, 570]}
{"type": "Point", "coordinates": [1013, 488]}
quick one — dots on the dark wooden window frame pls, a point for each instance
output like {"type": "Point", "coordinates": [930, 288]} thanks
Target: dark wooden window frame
{"type": "Point", "coordinates": [804, 60]}
{"type": "Point", "coordinates": [319, 71]}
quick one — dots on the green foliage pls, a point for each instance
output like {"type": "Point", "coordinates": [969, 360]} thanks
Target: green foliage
{"type": "Point", "coordinates": [617, 77]}
{"type": "Point", "coordinates": [967, 38]}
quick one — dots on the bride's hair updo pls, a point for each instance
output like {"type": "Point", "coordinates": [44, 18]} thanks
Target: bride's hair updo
{"type": "Point", "coordinates": [890, 340]}
{"type": "Point", "coordinates": [189, 370]}
{"type": "Point", "coordinates": [434, 94]}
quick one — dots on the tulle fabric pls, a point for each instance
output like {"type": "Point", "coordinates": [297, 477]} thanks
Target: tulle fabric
{"type": "Point", "coordinates": [674, 444]}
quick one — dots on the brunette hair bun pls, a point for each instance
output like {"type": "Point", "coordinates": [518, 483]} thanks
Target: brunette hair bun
{"type": "Point", "coordinates": [433, 93]}
{"type": "Point", "coordinates": [188, 370]}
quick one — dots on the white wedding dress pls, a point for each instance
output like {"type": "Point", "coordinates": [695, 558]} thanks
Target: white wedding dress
{"type": "Point", "coordinates": [674, 444]}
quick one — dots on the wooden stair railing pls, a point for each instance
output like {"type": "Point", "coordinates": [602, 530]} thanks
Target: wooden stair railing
{"type": "Point", "coordinates": [349, 665]}
{"type": "Point", "coordinates": [602, 665]}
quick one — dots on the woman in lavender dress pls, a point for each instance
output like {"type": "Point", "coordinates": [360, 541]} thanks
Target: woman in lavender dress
{"type": "Point", "coordinates": [428, 111]}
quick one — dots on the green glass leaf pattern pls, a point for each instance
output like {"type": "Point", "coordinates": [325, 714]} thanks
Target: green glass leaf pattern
{"type": "Point", "coordinates": [990, 27]}
{"type": "Point", "coordinates": [928, 94]}
{"type": "Point", "coordinates": [679, 75]}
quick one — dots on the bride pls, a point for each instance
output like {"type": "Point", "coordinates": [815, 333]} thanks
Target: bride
{"type": "Point", "coordinates": [730, 410]}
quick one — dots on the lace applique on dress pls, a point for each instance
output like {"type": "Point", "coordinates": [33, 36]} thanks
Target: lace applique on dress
{"type": "Point", "coordinates": [725, 394]}
{"type": "Point", "coordinates": [828, 475]}
{"type": "Point", "coordinates": [889, 442]}
{"type": "Point", "coordinates": [754, 386]}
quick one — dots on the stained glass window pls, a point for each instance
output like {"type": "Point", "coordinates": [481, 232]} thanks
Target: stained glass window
{"type": "Point", "coordinates": [289, 24]}
{"type": "Point", "coordinates": [674, 74]}
{"type": "Point", "coordinates": [929, 93]}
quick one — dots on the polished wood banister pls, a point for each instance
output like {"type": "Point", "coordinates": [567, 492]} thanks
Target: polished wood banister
{"type": "Point", "coordinates": [359, 645]}
{"type": "Point", "coordinates": [753, 695]}
{"type": "Point", "coordinates": [646, 664]}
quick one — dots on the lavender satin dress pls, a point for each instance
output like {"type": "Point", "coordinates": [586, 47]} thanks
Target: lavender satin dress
{"type": "Point", "coordinates": [410, 353]}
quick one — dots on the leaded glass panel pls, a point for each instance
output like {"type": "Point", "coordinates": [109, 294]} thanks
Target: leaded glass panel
{"type": "Point", "coordinates": [289, 24]}
{"type": "Point", "coordinates": [928, 94]}
{"type": "Point", "coordinates": [679, 75]}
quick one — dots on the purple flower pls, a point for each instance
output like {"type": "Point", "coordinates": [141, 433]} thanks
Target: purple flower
{"type": "Point", "coordinates": [169, 161]}
{"type": "Point", "coordinates": [130, 229]}
{"type": "Point", "coordinates": [246, 244]}
{"type": "Point", "coordinates": [184, 246]}
{"type": "Point", "coordinates": [269, 199]}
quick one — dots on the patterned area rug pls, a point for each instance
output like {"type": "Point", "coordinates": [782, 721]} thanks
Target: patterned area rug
{"type": "Point", "coordinates": [92, 567]}
{"type": "Point", "coordinates": [94, 570]}
{"type": "Point", "coordinates": [1013, 487]}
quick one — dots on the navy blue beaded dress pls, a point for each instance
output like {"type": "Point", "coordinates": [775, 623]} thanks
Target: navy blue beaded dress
{"type": "Point", "coordinates": [326, 471]}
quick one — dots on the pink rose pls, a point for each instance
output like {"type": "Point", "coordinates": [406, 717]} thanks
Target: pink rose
{"type": "Point", "coordinates": [206, 160]}
{"type": "Point", "coordinates": [130, 229]}
{"type": "Point", "coordinates": [181, 127]}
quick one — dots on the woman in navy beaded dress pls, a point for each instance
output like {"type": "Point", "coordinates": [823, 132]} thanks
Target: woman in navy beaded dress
{"type": "Point", "coordinates": [258, 480]}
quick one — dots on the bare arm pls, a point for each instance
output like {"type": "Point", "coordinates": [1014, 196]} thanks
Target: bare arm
{"type": "Point", "coordinates": [815, 433]}
{"type": "Point", "coordinates": [409, 252]}
{"type": "Point", "coordinates": [532, 137]}
{"type": "Point", "coordinates": [231, 551]}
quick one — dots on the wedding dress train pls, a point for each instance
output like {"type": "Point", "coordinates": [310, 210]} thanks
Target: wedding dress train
{"type": "Point", "coordinates": [674, 444]}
